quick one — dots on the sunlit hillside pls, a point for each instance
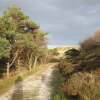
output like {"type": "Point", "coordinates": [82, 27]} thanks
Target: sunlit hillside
{"type": "Point", "coordinates": [62, 49]}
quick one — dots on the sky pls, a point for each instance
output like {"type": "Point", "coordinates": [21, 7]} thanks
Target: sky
{"type": "Point", "coordinates": [68, 22]}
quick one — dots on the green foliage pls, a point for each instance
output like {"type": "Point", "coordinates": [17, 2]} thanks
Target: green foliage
{"type": "Point", "coordinates": [16, 13]}
{"type": "Point", "coordinates": [72, 55]}
{"type": "Point", "coordinates": [4, 48]}
{"type": "Point", "coordinates": [21, 39]}
{"type": "Point", "coordinates": [56, 82]}
{"type": "Point", "coordinates": [54, 52]}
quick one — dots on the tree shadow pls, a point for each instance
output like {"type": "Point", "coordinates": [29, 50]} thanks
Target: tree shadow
{"type": "Point", "coordinates": [56, 82]}
{"type": "Point", "coordinates": [18, 92]}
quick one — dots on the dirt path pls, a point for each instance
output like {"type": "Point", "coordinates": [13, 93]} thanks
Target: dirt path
{"type": "Point", "coordinates": [33, 88]}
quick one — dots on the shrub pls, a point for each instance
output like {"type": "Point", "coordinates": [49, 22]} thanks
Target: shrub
{"type": "Point", "coordinates": [81, 70]}
{"type": "Point", "coordinates": [90, 52]}
{"type": "Point", "coordinates": [65, 68]}
{"type": "Point", "coordinates": [72, 55]}
{"type": "Point", "coordinates": [84, 85]}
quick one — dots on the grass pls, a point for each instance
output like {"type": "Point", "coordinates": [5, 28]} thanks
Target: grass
{"type": "Point", "coordinates": [56, 82]}
{"type": "Point", "coordinates": [57, 92]}
{"type": "Point", "coordinates": [6, 84]}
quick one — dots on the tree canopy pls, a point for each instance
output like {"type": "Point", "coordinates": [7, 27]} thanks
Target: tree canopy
{"type": "Point", "coordinates": [21, 39]}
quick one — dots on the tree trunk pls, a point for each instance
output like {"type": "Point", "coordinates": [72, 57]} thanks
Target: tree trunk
{"type": "Point", "coordinates": [10, 64]}
{"type": "Point", "coordinates": [41, 61]}
{"type": "Point", "coordinates": [8, 70]}
{"type": "Point", "coordinates": [19, 66]}
{"type": "Point", "coordinates": [46, 59]}
{"type": "Point", "coordinates": [35, 61]}
{"type": "Point", "coordinates": [30, 63]}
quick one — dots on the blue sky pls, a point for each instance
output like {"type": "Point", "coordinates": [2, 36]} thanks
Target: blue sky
{"type": "Point", "coordinates": [68, 22]}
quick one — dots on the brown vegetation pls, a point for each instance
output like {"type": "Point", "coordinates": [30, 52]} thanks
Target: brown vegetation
{"type": "Point", "coordinates": [82, 77]}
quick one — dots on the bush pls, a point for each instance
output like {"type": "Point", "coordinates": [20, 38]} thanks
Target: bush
{"type": "Point", "coordinates": [53, 52]}
{"type": "Point", "coordinates": [72, 55]}
{"type": "Point", "coordinates": [81, 70]}
{"type": "Point", "coordinates": [84, 85]}
{"type": "Point", "coordinates": [65, 68]}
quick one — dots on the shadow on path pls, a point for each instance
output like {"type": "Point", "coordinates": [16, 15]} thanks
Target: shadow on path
{"type": "Point", "coordinates": [18, 92]}
{"type": "Point", "coordinates": [56, 82]}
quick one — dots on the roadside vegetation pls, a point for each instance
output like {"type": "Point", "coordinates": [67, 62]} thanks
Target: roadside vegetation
{"type": "Point", "coordinates": [53, 55]}
{"type": "Point", "coordinates": [23, 46]}
{"type": "Point", "coordinates": [80, 71]}
{"type": "Point", "coordinates": [7, 83]}
{"type": "Point", "coordinates": [57, 80]}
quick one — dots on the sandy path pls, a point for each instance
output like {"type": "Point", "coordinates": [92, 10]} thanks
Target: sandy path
{"type": "Point", "coordinates": [33, 88]}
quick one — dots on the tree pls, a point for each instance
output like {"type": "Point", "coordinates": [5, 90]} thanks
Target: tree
{"type": "Point", "coordinates": [25, 40]}
{"type": "Point", "coordinates": [54, 52]}
{"type": "Point", "coordinates": [4, 48]}
{"type": "Point", "coordinates": [90, 52]}
{"type": "Point", "coordinates": [72, 54]}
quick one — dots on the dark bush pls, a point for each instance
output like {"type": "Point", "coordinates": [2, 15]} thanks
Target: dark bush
{"type": "Point", "coordinates": [72, 55]}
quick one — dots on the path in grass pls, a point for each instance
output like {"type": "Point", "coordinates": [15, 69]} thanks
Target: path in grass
{"type": "Point", "coordinates": [33, 88]}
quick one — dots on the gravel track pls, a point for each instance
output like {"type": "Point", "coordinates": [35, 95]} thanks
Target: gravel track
{"type": "Point", "coordinates": [32, 88]}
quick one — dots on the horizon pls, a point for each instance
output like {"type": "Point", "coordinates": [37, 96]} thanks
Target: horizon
{"type": "Point", "coordinates": [61, 46]}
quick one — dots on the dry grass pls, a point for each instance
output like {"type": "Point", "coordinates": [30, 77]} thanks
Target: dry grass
{"type": "Point", "coordinates": [84, 85]}
{"type": "Point", "coordinates": [5, 84]}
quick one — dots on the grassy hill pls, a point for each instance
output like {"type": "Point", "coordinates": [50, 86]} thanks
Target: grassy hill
{"type": "Point", "coordinates": [62, 49]}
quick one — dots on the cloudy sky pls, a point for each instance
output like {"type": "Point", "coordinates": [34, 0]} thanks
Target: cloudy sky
{"type": "Point", "coordinates": [67, 21]}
